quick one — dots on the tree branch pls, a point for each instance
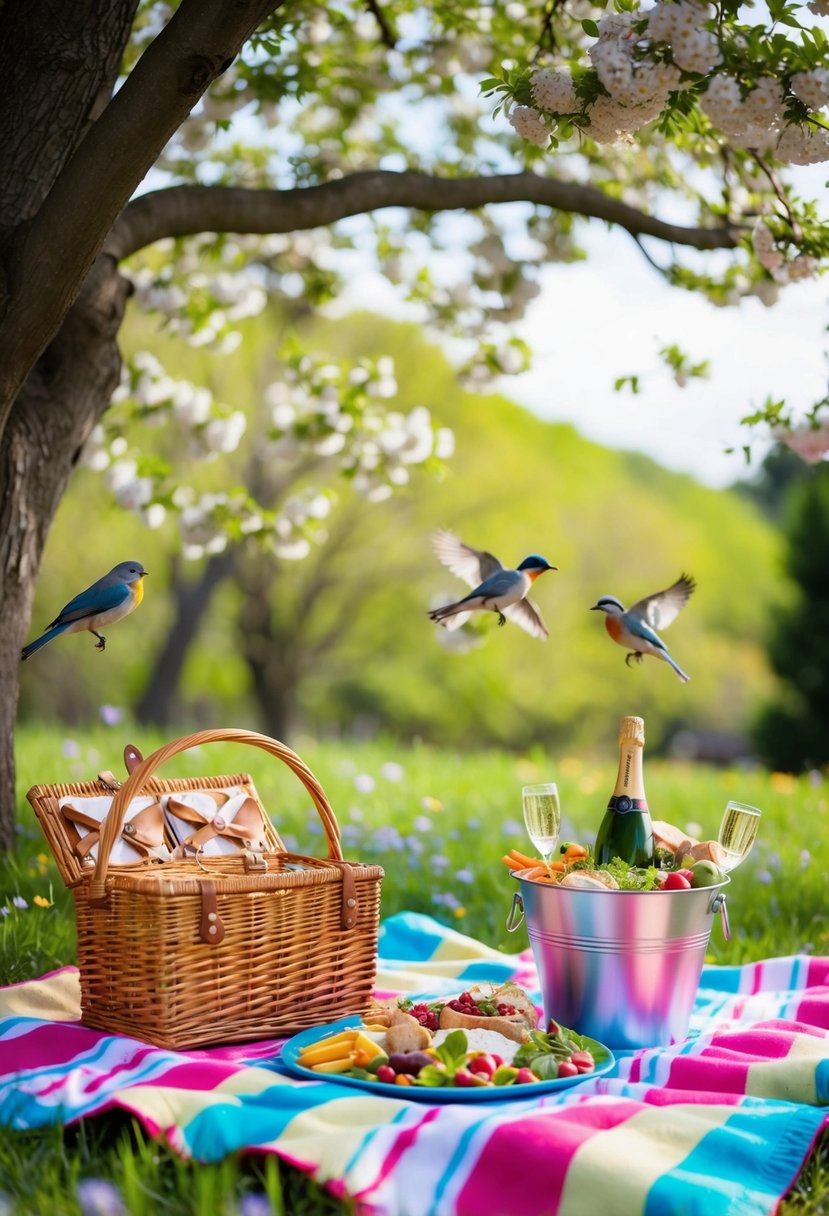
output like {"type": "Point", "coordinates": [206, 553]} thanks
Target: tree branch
{"type": "Point", "coordinates": [186, 210]}
{"type": "Point", "coordinates": [199, 43]}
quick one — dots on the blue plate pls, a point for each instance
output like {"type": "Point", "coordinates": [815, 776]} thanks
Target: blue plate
{"type": "Point", "coordinates": [292, 1050]}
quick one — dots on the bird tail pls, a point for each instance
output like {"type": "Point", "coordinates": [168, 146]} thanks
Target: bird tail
{"type": "Point", "coordinates": [451, 616]}
{"type": "Point", "coordinates": [41, 641]}
{"type": "Point", "coordinates": [682, 675]}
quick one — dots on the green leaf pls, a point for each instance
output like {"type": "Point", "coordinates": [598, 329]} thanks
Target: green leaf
{"type": "Point", "coordinates": [590, 27]}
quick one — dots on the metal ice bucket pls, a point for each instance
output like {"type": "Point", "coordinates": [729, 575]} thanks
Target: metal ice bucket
{"type": "Point", "coordinates": [620, 966]}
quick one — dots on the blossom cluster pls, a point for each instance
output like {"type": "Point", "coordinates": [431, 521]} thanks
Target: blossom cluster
{"type": "Point", "coordinates": [336, 412]}
{"type": "Point", "coordinates": [641, 58]}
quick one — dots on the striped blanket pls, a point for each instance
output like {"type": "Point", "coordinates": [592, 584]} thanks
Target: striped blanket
{"type": "Point", "coordinates": [718, 1124]}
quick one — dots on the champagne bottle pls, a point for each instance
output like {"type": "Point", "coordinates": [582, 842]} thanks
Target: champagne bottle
{"type": "Point", "coordinates": [626, 829]}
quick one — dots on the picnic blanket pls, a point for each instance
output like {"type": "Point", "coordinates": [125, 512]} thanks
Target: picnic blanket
{"type": "Point", "coordinates": [719, 1124]}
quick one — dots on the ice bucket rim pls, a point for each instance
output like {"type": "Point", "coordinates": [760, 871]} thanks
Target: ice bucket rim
{"type": "Point", "coordinates": [554, 886]}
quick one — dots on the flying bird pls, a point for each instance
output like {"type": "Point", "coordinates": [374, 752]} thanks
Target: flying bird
{"type": "Point", "coordinates": [636, 628]}
{"type": "Point", "coordinates": [494, 588]}
{"type": "Point", "coordinates": [114, 596]}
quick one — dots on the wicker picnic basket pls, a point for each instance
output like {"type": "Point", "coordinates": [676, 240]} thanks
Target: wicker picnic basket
{"type": "Point", "coordinates": [199, 950]}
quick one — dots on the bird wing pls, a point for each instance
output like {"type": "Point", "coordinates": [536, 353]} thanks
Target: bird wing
{"type": "Point", "coordinates": [474, 566]}
{"type": "Point", "coordinates": [526, 614]}
{"type": "Point", "coordinates": [95, 599]}
{"type": "Point", "coordinates": [663, 607]}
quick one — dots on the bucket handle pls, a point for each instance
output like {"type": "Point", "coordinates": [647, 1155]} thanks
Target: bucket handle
{"type": "Point", "coordinates": [718, 904]}
{"type": "Point", "coordinates": [517, 903]}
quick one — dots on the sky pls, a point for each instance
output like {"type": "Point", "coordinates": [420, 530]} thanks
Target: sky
{"type": "Point", "coordinates": [609, 316]}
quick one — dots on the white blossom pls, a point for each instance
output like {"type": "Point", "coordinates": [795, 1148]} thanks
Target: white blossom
{"type": "Point", "coordinates": [529, 124]}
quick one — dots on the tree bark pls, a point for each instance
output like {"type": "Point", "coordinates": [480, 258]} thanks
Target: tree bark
{"type": "Point", "coordinates": [191, 599]}
{"type": "Point", "coordinates": [60, 403]}
{"type": "Point", "coordinates": [44, 275]}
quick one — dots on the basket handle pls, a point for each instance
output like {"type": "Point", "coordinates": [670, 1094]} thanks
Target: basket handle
{"type": "Point", "coordinates": [140, 775]}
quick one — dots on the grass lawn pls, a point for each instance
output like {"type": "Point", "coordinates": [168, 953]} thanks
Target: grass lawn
{"type": "Point", "coordinates": [438, 823]}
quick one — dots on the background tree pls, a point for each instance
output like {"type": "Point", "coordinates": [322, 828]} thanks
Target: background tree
{"type": "Point", "coordinates": [91, 101]}
{"type": "Point", "coordinates": [792, 733]}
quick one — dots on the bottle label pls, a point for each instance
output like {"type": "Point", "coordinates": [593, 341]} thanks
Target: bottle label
{"type": "Point", "coordinates": [622, 805]}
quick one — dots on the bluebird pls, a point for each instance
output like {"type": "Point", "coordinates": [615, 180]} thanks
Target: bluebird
{"type": "Point", "coordinates": [636, 628]}
{"type": "Point", "coordinates": [494, 589]}
{"type": "Point", "coordinates": [114, 596]}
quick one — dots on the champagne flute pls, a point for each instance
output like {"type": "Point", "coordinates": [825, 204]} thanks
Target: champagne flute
{"type": "Point", "coordinates": [542, 817]}
{"type": "Point", "coordinates": [738, 831]}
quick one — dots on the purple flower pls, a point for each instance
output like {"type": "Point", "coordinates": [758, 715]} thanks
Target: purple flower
{"type": "Point", "coordinates": [364, 782]}
{"type": "Point", "coordinates": [392, 771]}
{"type": "Point", "coordinates": [805, 858]}
{"type": "Point", "coordinates": [19, 902]}
{"type": "Point", "coordinates": [511, 827]}
{"type": "Point", "coordinates": [291, 844]}
{"type": "Point", "coordinates": [422, 824]}
{"type": "Point", "coordinates": [351, 834]}
{"type": "Point", "coordinates": [255, 1205]}
{"type": "Point", "coordinates": [445, 899]}
{"type": "Point", "coordinates": [111, 715]}
{"type": "Point", "coordinates": [414, 845]}
{"type": "Point", "coordinates": [774, 860]}
{"type": "Point", "coordinates": [764, 877]}
{"type": "Point", "coordinates": [465, 876]}
{"type": "Point", "coordinates": [97, 1197]}
{"type": "Point", "coordinates": [70, 749]}
{"type": "Point", "coordinates": [388, 837]}
{"type": "Point", "coordinates": [439, 862]}
{"type": "Point", "coordinates": [5, 910]}
{"type": "Point", "coordinates": [356, 814]}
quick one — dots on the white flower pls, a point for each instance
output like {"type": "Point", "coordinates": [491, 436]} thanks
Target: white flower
{"type": "Point", "coordinates": [225, 434]}
{"type": "Point", "coordinates": [444, 443]}
{"type": "Point", "coordinates": [553, 91]}
{"type": "Point", "coordinates": [803, 145]}
{"type": "Point", "coordinates": [529, 124]}
{"type": "Point", "coordinates": [812, 87]}
{"type": "Point", "coordinates": [154, 515]}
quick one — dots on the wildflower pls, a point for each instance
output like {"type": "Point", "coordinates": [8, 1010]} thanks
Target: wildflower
{"type": "Point", "coordinates": [111, 715]}
{"type": "Point", "coordinates": [415, 845]}
{"type": "Point", "coordinates": [693, 829]}
{"type": "Point", "coordinates": [20, 902]}
{"type": "Point", "coordinates": [70, 749]}
{"type": "Point", "coordinates": [392, 771]}
{"type": "Point", "coordinates": [256, 1204]}
{"type": "Point", "coordinates": [355, 814]}
{"type": "Point", "coordinates": [464, 875]}
{"type": "Point", "coordinates": [422, 824]}
{"type": "Point", "coordinates": [805, 858]}
{"type": "Point", "coordinates": [431, 804]}
{"type": "Point", "coordinates": [98, 1197]}
{"type": "Point", "coordinates": [5, 910]}
{"type": "Point", "coordinates": [511, 827]}
{"type": "Point", "coordinates": [764, 877]}
{"type": "Point", "coordinates": [42, 902]}
{"type": "Point", "coordinates": [364, 783]}
{"type": "Point", "coordinates": [439, 862]}
{"type": "Point", "coordinates": [459, 912]}
{"type": "Point", "coordinates": [445, 899]}
{"type": "Point", "coordinates": [388, 837]}
{"type": "Point", "coordinates": [42, 859]}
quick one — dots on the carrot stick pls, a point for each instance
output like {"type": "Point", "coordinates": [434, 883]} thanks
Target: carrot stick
{"type": "Point", "coordinates": [523, 858]}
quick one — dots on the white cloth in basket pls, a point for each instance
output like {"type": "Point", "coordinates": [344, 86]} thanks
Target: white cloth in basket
{"type": "Point", "coordinates": [219, 808]}
{"type": "Point", "coordinates": [124, 852]}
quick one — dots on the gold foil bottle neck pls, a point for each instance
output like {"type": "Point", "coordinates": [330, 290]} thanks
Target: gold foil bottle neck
{"type": "Point", "coordinates": [632, 730]}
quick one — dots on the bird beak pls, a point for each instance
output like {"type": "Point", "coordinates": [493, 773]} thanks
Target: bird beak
{"type": "Point", "coordinates": [594, 607]}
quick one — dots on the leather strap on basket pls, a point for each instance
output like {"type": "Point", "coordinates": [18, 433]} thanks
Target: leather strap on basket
{"type": "Point", "coordinates": [350, 903]}
{"type": "Point", "coordinates": [211, 929]}
{"type": "Point", "coordinates": [245, 829]}
{"type": "Point", "coordinates": [144, 771]}
{"type": "Point", "coordinates": [144, 832]}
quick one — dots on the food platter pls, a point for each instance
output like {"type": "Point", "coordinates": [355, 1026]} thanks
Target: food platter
{"type": "Point", "coordinates": [291, 1051]}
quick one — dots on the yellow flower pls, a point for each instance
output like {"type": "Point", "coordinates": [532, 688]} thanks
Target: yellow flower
{"type": "Point", "coordinates": [459, 912]}
{"type": "Point", "coordinates": [783, 783]}
{"type": "Point", "coordinates": [43, 858]}
{"type": "Point", "coordinates": [42, 902]}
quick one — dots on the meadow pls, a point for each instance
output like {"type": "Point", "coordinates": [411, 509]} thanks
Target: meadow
{"type": "Point", "coordinates": [438, 822]}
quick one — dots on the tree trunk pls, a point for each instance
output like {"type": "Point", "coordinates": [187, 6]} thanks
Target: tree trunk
{"type": "Point", "coordinates": [191, 600]}
{"type": "Point", "coordinates": [62, 400]}
{"type": "Point", "coordinates": [274, 658]}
